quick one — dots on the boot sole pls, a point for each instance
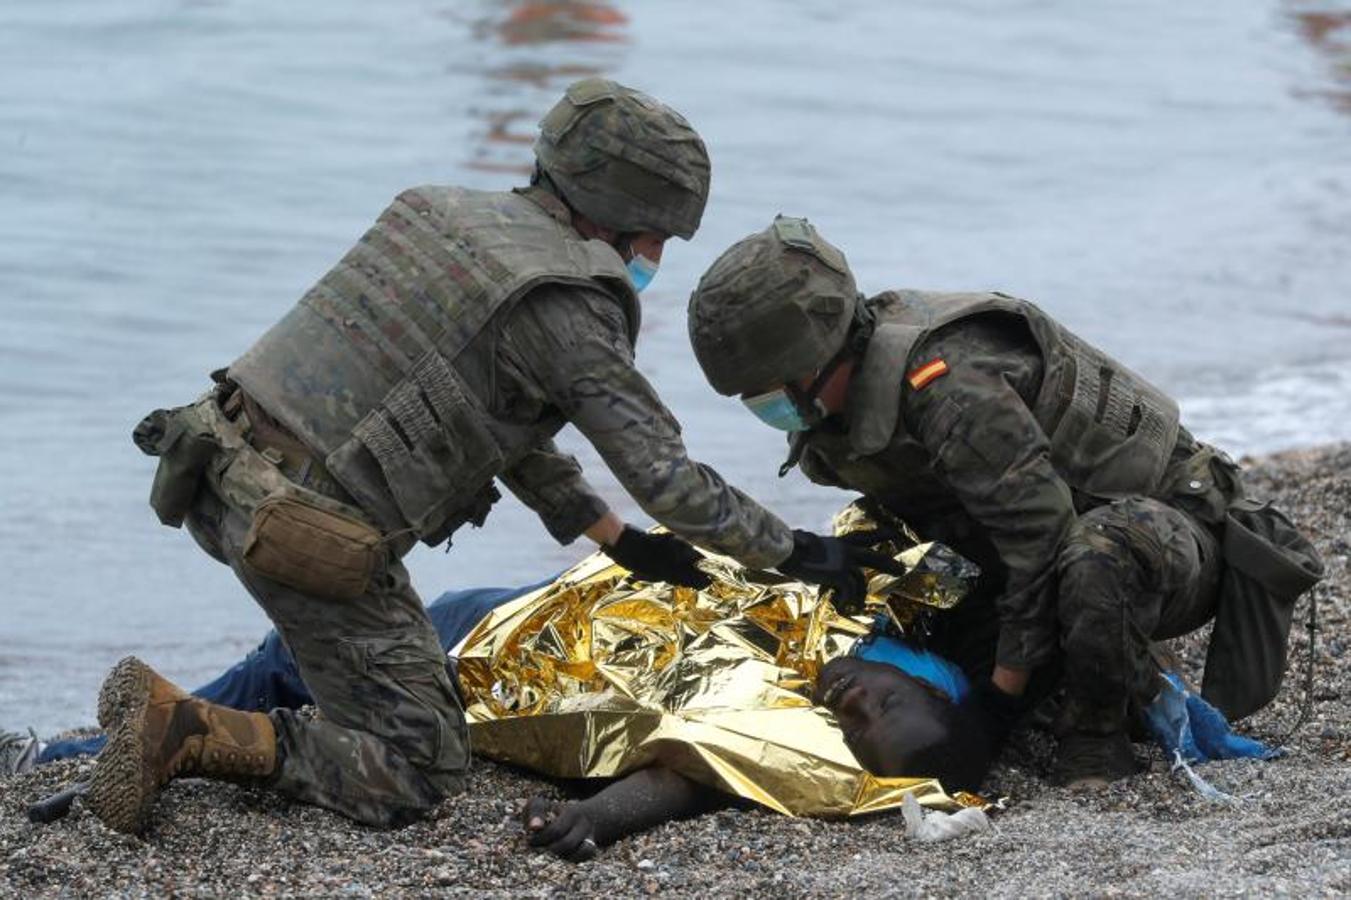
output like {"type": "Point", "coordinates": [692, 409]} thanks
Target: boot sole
{"type": "Point", "coordinates": [108, 696]}
{"type": "Point", "coordinates": [123, 788]}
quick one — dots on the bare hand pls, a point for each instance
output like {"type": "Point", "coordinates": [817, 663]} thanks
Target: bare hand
{"type": "Point", "coordinates": [564, 829]}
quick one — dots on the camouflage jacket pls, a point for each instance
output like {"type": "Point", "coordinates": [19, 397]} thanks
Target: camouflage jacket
{"type": "Point", "coordinates": [971, 464]}
{"type": "Point", "coordinates": [567, 348]}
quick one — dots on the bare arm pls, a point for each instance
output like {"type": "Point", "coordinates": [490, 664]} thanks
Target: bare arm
{"type": "Point", "coordinates": [635, 803]}
{"type": "Point", "coordinates": [605, 530]}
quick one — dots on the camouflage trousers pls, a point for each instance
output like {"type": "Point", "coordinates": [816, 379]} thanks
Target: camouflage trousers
{"type": "Point", "coordinates": [1130, 572]}
{"type": "Point", "coordinates": [390, 741]}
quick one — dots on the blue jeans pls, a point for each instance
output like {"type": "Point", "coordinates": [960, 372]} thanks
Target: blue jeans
{"type": "Point", "coordinates": [267, 678]}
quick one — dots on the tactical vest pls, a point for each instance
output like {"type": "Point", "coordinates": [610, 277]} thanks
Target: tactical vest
{"type": "Point", "coordinates": [381, 370]}
{"type": "Point", "coordinates": [1111, 432]}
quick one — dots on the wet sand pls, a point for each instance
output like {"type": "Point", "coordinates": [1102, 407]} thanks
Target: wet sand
{"type": "Point", "coordinates": [1149, 835]}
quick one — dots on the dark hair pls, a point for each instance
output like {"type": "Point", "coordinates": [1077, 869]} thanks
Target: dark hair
{"type": "Point", "coordinates": [962, 761]}
{"type": "Point", "coordinates": [959, 755]}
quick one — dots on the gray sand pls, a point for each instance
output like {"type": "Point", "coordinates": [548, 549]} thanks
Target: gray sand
{"type": "Point", "coordinates": [1289, 832]}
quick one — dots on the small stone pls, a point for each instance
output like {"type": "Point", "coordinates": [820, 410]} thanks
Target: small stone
{"type": "Point", "coordinates": [646, 864]}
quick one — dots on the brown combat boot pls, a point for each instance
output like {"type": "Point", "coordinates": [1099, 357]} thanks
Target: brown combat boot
{"type": "Point", "coordinates": [158, 732]}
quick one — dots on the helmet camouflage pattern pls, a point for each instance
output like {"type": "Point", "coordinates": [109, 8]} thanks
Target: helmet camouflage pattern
{"type": "Point", "coordinates": [625, 160]}
{"type": "Point", "coordinates": [774, 308]}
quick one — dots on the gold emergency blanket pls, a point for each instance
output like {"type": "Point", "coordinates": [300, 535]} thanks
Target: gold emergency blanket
{"type": "Point", "coordinates": [597, 675]}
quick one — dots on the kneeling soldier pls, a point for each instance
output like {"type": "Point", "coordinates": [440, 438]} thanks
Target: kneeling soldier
{"type": "Point", "coordinates": [444, 351]}
{"type": "Point", "coordinates": [1099, 522]}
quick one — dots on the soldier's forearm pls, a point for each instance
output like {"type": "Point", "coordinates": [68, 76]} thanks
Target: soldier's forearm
{"type": "Point", "coordinates": [550, 482]}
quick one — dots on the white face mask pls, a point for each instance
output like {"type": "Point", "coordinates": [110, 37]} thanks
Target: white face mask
{"type": "Point", "coordinates": [641, 271]}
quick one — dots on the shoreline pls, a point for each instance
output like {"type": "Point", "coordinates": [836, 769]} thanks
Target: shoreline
{"type": "Point", "coordinates": [1148, 835]}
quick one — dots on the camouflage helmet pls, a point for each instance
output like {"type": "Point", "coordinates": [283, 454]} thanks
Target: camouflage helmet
{"type": "Point", "coordinates": [624, 160]}
{"type": "Point", "coordinates": [774, 308]}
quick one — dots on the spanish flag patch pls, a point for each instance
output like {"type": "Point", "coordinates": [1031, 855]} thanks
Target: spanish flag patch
{"type": "Point", "coordinates": [926, 373]}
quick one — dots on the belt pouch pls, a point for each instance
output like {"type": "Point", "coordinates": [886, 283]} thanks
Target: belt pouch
{"type": "Point", "coordinates": [1268, 564]}
{"type": "Point", "coordinates": [185, 446]}
{"type": "Point", "coordinates": [313, 550]}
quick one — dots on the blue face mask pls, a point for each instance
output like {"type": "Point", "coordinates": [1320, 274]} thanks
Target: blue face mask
{"type": "Point", "coordinates": [641, 272]}
{"type": "Point", "coordinates": [777, 410]}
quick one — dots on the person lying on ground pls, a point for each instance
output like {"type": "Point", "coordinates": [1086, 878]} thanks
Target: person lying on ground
{"type": "Point", "coordinates": [901, 711]}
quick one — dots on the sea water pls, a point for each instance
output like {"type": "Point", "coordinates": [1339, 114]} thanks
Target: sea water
{"type": "Point", "coordinates": [1171, 180]}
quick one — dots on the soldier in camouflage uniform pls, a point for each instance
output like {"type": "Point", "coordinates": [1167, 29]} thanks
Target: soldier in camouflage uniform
{"type": "Point", "coordinates": [984, 423]}
{"type": "Point", "coordinates": [444, 351]}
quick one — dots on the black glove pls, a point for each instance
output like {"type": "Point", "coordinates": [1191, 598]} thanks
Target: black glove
{"type": "Point", "coordinates": [996, 711]}
{"type": "Point", "coordinates": [657, 557]}
{"type": "Point", "coordinates": [836, 564]}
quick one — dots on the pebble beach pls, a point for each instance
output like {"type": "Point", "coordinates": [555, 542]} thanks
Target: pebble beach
{"type": "Point", "coordinates": [1285, 831]}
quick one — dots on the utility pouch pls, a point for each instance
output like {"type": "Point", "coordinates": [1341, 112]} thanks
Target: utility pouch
{"type": "Point", "coordinates": [314, 550]}
{"type": "Point", "coordinates": [185, 446]}
{"type": "Point", "coordinates": [1268, 564]}
{"type": "Point", "coordinates": [432, 443]}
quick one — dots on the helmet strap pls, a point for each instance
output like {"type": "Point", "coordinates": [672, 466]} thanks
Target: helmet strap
{"type": "Point", "coordinates": [797, 443]}
{"type": "Point", "coordinates": [807, 401]}
{"type": "Point", "coordinates": [810, 408]}
{"type": "Point", "coordinates": [855, 343]}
